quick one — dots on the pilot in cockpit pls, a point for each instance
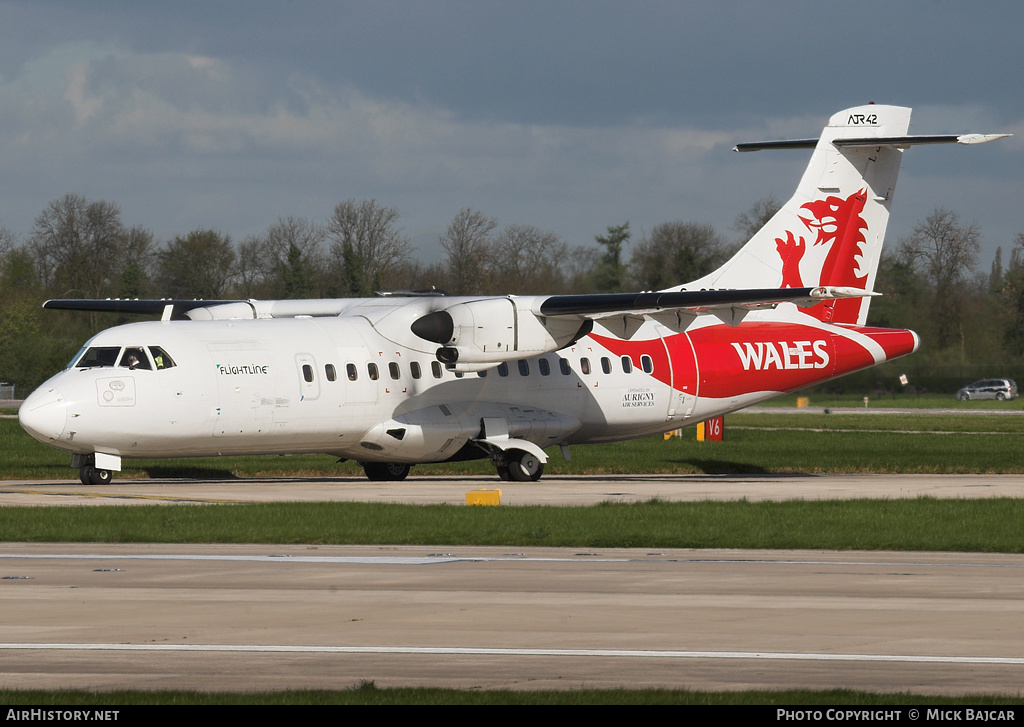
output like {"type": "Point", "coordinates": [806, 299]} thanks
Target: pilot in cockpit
{"type": "Point", "coordinates": [135, 358]}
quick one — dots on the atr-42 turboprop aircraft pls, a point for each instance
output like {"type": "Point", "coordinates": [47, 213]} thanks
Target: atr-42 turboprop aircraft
{"type": "Point", "coordinates": [399, 380]}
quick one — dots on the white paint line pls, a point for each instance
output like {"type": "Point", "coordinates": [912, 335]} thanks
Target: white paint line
{"type": "Point", "coordinates": [473, 651]}
{"type": "Point", "coordinates": [580, 557]}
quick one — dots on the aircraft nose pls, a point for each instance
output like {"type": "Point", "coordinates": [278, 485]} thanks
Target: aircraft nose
{"type": "Point", "coordinates": [44, 414]}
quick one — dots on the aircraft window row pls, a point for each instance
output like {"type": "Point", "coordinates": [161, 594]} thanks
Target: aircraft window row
{"type": "Point", "coordinates": [544, 366]}
{"type": "Point", "coordinates": [416, 370]}
{"type": "Point", "coordinates": [145, 358]}
{"type": "Point", "coordinates": [394, 371]}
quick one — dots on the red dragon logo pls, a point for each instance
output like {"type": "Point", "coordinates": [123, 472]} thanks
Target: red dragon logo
{"type": "Point", "coordinates": [838, 223]}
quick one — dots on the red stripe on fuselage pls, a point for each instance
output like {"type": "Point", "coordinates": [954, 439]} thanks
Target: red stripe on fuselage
{"type": "Point", "coordinates": [755, 357]}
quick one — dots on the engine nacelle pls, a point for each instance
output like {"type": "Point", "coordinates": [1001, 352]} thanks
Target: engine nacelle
{"type": "Point", "coordinates": [493, 330]}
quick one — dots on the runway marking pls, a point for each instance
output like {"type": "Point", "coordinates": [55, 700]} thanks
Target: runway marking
{"type": "Point", "coordinates": [127, 496]}
{"type": "Point", "coordinates": [482, 651]}
{"type": "Point", "coordinates": [325, 559]}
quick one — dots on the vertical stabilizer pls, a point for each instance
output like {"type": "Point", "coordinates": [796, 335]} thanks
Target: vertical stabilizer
{"type": "Point", "coordinates": [831, 231]}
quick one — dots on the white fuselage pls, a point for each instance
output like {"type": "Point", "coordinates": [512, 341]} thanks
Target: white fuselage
{"type": "Point", "coordinates": [335, 385]}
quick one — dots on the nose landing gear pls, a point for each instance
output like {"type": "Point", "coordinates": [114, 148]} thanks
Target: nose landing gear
{"type": "Point", "coordinates": [90, 475]}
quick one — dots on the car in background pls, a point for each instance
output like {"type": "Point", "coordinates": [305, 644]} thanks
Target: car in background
{"type": "Point", "coordinates": [1001, 389]}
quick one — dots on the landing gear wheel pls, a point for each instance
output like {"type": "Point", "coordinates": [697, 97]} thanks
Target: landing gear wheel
{"type": "Point", "coordinates": [524, 467]}
{"type": "Point", "coordinates": [90, 475]}
{"type": "Point", "coordinates": [385, 471]}
{"type": "Point", "coordinates": [503, 474]}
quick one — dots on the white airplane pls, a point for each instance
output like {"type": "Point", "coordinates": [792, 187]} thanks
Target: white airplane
{"type": "Point", "coordinates": [399, 380]}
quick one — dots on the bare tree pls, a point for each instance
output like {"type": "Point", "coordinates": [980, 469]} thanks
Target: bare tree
{"type": "Point", "coordinates": [528, 261]}
{"type": "Point", "coordinates": [675, 253]}
{"type": "Point", "coordinates": [294, 256]}
{"type": "Point", "coordinates": [467, 247]}
{"type": "Point", "coordinates": [252, 271]}
{"type": "Point", "coordinates": [199, 265]}
{"type": "Point", "coordinates": [82, 247]}
{"type": "Point", "coordinates": [367, 246]}
{"type": "Point", "coordinates": [749, 222]}
{"type": "Point", "coordinates": [8, 241]}
{"type": "Point", "coordinates": [944, 251]}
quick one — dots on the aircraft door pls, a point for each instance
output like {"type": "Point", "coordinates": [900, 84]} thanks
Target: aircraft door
{"type": "Point", "coordinates": [246, 392]}
{"type": "Point", "coordinates": [683, 361]}
{"type": "Point", "coordinates": [309, 381]}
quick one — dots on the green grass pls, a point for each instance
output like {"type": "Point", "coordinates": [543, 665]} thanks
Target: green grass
{"type": "Point", "coordinates": [760, 443]}
{"type": "Point", "coordinates": [367, 693]}
{"type": "Point", "coordinates": [924, 524]}
{"type": "Point", "coordinates": [907, 423]}
{"type": "Point", "coordinates": [900, 400]}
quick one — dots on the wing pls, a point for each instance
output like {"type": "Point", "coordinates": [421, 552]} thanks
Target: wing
{"type": "Point", "coordinates": [470, 334]}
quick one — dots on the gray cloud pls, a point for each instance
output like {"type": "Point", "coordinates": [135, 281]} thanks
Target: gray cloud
{"type": "Point", "coordinates": [570, 116]}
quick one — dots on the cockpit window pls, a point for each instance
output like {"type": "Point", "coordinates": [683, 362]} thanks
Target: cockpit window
{"type": "Point", "coordinates": [160, 358]}
{"type": "Point", "coordinates": [135, 358]}
{"type": "Point", "coordinates": [99, 356]}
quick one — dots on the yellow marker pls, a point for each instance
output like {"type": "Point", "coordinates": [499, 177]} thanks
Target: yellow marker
{"type": "Point", "coordinates": [483, 497]}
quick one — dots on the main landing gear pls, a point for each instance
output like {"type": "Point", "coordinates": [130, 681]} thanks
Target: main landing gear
{"type": "Point", "coordinates": [520, 466]}
{"type": "Point", "coordinates": [385, 471]}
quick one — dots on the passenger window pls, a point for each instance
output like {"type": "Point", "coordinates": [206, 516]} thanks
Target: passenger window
{"type": "Point", "coordinates": [563, 364]}
{"type": "Point", "coordinates": [371, 369]}
{"type": "Point", "coordinates": [307, 373]}
{"type": "Point", "coordinates": [435, 369]}
{"type": "Point", "coordinates": [524, 367]}
{"type": "Point", "coordinates": [352, 371]}
{"type": "Point", "coordinates": [160, 358]}
{"type": "Point", "coordinates": [606, 364]}
{"type": "Point", "coordinates": [135, 358]}
{"type": "Point", "coordinates": [627, 365]}
{"type": "Point", "coordinates": [647, 364]}
{"type": "Point", "coordinates": [503, 369]}
{"type": "Point", "coordinates": [585, 365]}
{"type": "Point", "coordinates": [414, 368]}
{"type": "Point", "coordinates": [332, 375]}
{"type": "Point", "coordinates": [393, 370]}
{"type": "Point", "coordinates": [544, 366]}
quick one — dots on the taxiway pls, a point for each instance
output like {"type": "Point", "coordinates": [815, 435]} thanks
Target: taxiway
{"type": "Point", "coordinates": [237, 617]}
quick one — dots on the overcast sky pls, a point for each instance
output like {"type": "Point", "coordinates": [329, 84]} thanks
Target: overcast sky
{"type": "Point", "coordinates": [569, 116]}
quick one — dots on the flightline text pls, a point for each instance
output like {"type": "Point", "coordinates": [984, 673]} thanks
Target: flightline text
{"type": "Point", "coordinates": [244, 369]}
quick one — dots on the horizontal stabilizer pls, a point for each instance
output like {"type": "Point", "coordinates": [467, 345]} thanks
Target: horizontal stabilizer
{"type": "Point", "coordinates": [899, 142]}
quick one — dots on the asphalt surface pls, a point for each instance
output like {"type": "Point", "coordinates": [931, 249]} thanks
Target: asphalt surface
{"type": "Point", "coordinates": [229, 617]}
{"type": "Point", "coordinates": [237, 617]}
{"type": "Point", "coordinates": [570, 490]}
